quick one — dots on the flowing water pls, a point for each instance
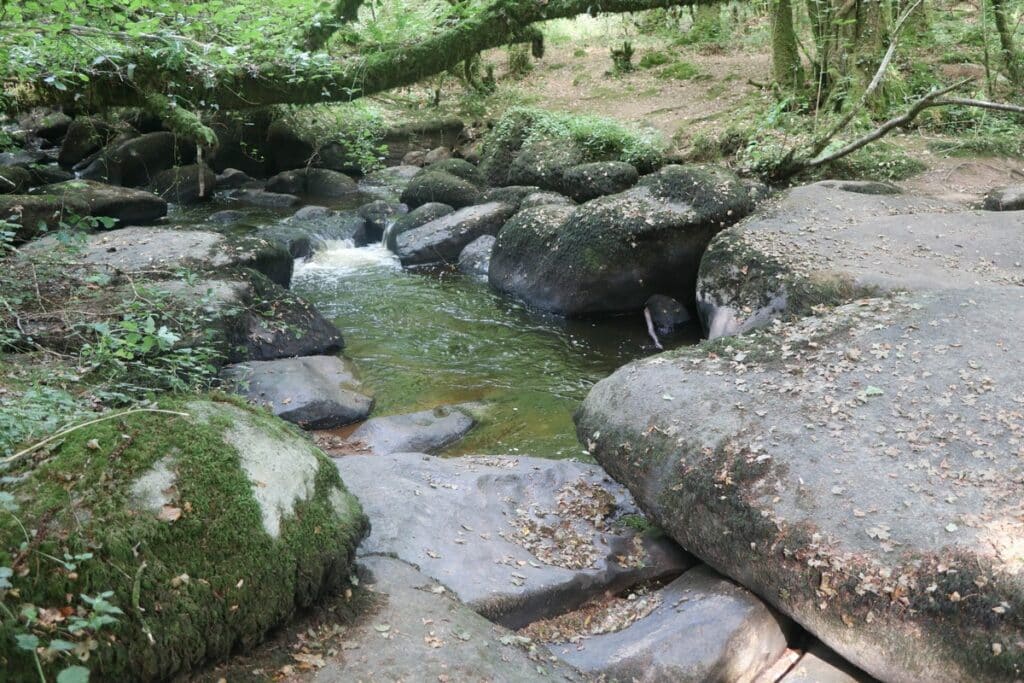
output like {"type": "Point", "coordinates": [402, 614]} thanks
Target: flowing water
{"type": "Point", "coordinates": [426, 339]}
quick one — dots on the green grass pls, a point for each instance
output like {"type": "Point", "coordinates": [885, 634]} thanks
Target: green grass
{"type": "Point", "coordinates": [680, 71]}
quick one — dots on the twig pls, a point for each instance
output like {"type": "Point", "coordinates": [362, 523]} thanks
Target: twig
{"type": "Point", "coordinates": [65, 432]}
{"type": "Point", "coordinates": [650, 328]}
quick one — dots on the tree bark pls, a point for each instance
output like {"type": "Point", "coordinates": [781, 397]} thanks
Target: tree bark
{"type": "Point", "coordinates": [786, 66]}
{"type": "Point", "coordinates": [1011, 58]}
{"type": "Point", "coordinates": [322, 80]}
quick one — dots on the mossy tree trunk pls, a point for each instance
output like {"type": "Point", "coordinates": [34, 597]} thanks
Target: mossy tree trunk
{"type": "Point", "coordinates": [248, 85]}
{"type": "Point", "coordinates": [787, 68]}
{"type": "Point", "coordinates": [1011, 58]}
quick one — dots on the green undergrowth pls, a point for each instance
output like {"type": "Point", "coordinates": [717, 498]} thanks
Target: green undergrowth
{"type": "Point", "coordinates": [598, 139]}
{"type": "Point", "coordinates": [188, 581]}
{"type": "Point", "coordinates": [356, 130]}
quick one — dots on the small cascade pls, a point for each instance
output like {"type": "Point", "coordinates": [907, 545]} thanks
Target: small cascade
{"type": "Point", "coordinates": [388, 240]}
{"type": "Point", "coordinates": [342, 257]}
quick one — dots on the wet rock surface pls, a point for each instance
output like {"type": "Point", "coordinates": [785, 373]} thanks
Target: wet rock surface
{"type": "Point", "coordinates": [475, 259]}
{"type": "Point", "coordinates": [515, 538]}
{"type": "Point", "coordinates": [703, 628]}
{"type": "Point", "coordinates": [314, 392]}
{"type": "Point", "coordinates": [443, 239]}
{"type": "Point", "coordinates": [427, 431]}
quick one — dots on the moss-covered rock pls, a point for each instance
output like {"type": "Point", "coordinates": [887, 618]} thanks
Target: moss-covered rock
{"type": "Point", "coordinates": [544, 162]}
{"type": "Point", "coordinates": [14, 179]}
{"type": "Point", "coordinates": [185, 184]}
{"type": "Point", "coordinates": [209, 527]}
{"type": "Point", "coordinates": [589, 181]}
{"type": "Point", "coordinates": [612, 253]}
{"type": "Point", "coordinates": [127, 206]}
{"type": "Point", "coordinates": [313, 182]}
{"type": "Point", "coordinates": [417, 217]}
{"type": "Point", "coordinates": [86, 135]}
{"type": "Point", "coordinates": [136, 161]}
{"type": "Point", "coordinates": [36, 214]}
{"type": "Point", "coordinates": [459, 168]}
{"type": "Point", "coordinates": [441, 187]}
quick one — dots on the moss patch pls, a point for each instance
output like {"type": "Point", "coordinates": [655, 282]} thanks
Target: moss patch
{"type": "Point", "coordinates": [192, 589]}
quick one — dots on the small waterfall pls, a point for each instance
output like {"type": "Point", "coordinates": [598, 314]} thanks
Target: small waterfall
{"type": "Point", "coordinates": [341, 257]}
{"type": "Point", "coordinates": [387, 240]}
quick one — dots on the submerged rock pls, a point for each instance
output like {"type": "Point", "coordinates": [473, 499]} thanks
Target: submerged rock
{"type": "Point", "coordinates": [314, 392]}
{"type": "Point", "coordinates": [428, 431]}
{"type": "Point", "coordinates": [485, 527]}
{"type": "Point", "coordinates": [233, 522]}
{"type": "Point", "coordinates": [443, 239]}
{"type": "Point", "coordinates": [667, 314]}
{"type": "Point", "coordinates": [704, 628]}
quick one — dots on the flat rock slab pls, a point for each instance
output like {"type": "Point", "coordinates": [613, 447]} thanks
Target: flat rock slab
{"type": "Point", "coordinates": [821, 665]}
{"type": "Point", "coordinates": [428, 431]}
{"type": "Point", "coordinates": [861, 470]}
{"type": "Point", "coordinates": [314, 392]}
{"type": "Point", "coordinates": [705, 628]}
{"type": "Point", "coordinates": [443, 239]}
{"type": "Point", "coordinates": [516, 539]}
{"type": "Point", "coordinates": [822, 244]}
{"type": "Point", "coordinates": [138, 249]}
{"type": "Point", "coordinates": [420, 633]}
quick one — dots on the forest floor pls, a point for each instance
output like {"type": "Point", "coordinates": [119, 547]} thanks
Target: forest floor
{"type": "Point", "coordinates": [716, 87]}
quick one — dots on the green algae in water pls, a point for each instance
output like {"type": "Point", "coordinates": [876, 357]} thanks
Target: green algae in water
{"type": "Point", "coordinates": [421, 340]}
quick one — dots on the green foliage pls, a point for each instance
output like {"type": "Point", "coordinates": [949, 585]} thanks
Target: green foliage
{"type": "Point", "coordinates": [356, 128]}
{"type": "Point", "coordinates": [680, 71]}
{"type": "Point", "coordinates": [654, 58]}
{"type": "Point", "coordinates": [519, 60]}
{"type": "Point", "coordinates": [622, 58]}
{"type": "Point", "coordinates": [599, 138]}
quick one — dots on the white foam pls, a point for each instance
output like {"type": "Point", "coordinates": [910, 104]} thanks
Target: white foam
{"type": "Point", "coordinates": [341, 257]}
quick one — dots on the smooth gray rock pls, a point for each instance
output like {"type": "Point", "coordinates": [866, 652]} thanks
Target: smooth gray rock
{"type": "Point", "coordinates": [321, 224]}
{"type": "Point", "coordinates": [612, 253]}
{"type": "Point", "coordinates": [443, 239]}
{"type": "Point", "coordinates": [706, 628]}
{"type": "Point", "coordinates": [1005, 199]}
{"type": "Point", "coordinates": [515, 538]}
{"type": "Point", "coordinates": [820, 665]}
{"type": "Point", "coordinates": [420, 633]}
{"type": "Point", "coordinates": [265, 199]}
{"type": "Point", "coordinates": [821, 245]}
{"type": "Point", "coordinates": [427, 431]}
{"type": "Point", "coordinates": [126, 205]}
{"type": "Point", "coordinates": [475, 259]}
{"type": "Point", "coordinates": [388, 181]}
{"type": "Point", "coordinates": [138, 249]}
{"type": "Point", "coordinates": [314, 392]}
{"type": "Point", "coordinates": [414, 219]}
{"type": "Point", "coordinates": [859, 469]}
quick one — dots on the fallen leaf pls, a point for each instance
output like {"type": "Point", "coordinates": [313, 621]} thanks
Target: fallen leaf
{"type": "Point", "coordinates": [169, 513]}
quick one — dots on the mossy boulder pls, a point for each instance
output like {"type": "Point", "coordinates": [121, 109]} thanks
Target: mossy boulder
{"type": "Point", "coordinates": [126, 205]}
{"type": "Point", "coordinates": [589, 181]}
{"type": "Point", "coordinates": [14, 179]}
{"type": "Point", "coordinates": [185, 184]}
{"type": "Point", "coordinates": [510, 194]}
{"type": "Point", "coordinates": [543, 163]}
{"type": "Point", "coordinates": [459, 168]}
{"type": "Point", "coordinates": [136, 161]}
{"type": "Point", "coordinates": [37, 214]}
{"type": "Point", "coordinates": [611, 254]}
{"type": "Point", "coordinates": [441, 187]}
{"type": "Point", "coordinates": [86, 135]}
{"type": "Point", "coordinates": [209, 527]}
{"type": "Point", "coordinates": [421, 215]}
{"type": "Point", "coordinates": [313, 182]}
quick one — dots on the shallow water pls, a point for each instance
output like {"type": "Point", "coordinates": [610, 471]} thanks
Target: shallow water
{"type": "Point", "coordinates": [426, 339]}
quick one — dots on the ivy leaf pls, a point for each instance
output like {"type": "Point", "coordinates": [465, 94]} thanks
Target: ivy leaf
{"type": "Point", "coordinates": [27, 641]}
{"type": "Point", "coordinates": [73, 674]}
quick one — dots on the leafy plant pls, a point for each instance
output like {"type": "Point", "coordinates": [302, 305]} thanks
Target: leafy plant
{"type": "Point", "coordinates": [622, 58]}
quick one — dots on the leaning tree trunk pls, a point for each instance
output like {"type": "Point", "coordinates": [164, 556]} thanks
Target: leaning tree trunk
{"type": "Point", "coordinates": [787, 69]}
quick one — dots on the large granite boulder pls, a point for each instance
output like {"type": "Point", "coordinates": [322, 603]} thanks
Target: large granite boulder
{"type": "Point", "coordinates": [85, 136]}
{"type": "Point", "coordinates": [36, 214]}
{"type": "Point", "coordinates": [313, 182]}
{"type": "Point", "coordinates": [314, 392]}
{"type": "Point", "coordinates": [125, 205]}
{"type": "Point", "coordinates": [185, 184]}
{"type": "Point", "coordinates": [826, 243]}
{"type": "Point", "coordinates": [209, 524]}
{"type": "Point", "coordinates": [440, 187]}
{"type": "Point", "coordinates": [427, 431]}
{"type": "Point", "coordinates": [443, 239]}
{"type": "Point", "coordinates": [421, 215]}
{"type": "Point", "coordinates": [140, 249]}
{"type": "Point", "coordinates": [475, 259]}
{"type": "Point", "coordinates": [597, 179]}
{"type": "Point", "coordinates": [860, 470]}
{"type": "Point", "coordinates": [515, 538]}
{"type": "Point", "coordinates": [702, 628]}
{"type": "Point", "coordinates": [135, 162]}
{"type": "Point", "coordinates": [610, 254]}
